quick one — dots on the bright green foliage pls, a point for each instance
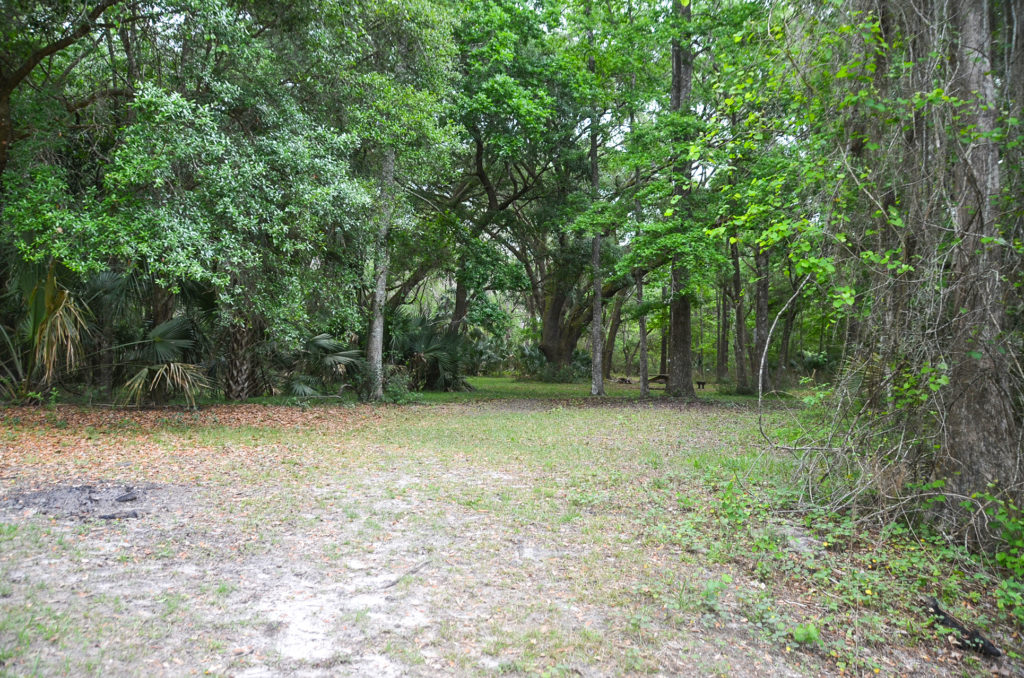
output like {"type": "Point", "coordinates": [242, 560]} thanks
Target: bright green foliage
{"type": "Point", "coordinates": [320, 366]}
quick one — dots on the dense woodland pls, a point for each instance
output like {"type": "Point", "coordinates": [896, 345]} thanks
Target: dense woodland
{"type": "Point", "coordinates": [381, 196]}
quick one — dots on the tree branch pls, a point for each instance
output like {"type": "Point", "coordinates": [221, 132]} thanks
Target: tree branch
{"type": "Point", "coordinates": [10, 82]}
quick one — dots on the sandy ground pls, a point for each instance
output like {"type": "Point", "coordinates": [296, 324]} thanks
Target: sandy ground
{"type": "Point", "coordinates": [376, 569]}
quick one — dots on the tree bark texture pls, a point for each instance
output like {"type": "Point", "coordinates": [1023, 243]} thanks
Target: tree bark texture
{"type": "Point", "coordinates": [981, 446]}
{"type": "Point", "coordinates": [680, 365]}
{"type": "Point", "coordinates": [740, 345]}
{"type": "Point", "coordinates": [458, 321]}
{"type": "Point", "coordinates": [240, 376]}
{"type": "Point", "coordinates": [645, 387]}
{"type": "Point", "coordinates": [375, 345]}
{"type": "Point", "coordinates": [762, 322]}
{"type": "Point", "coordinates": [614, 323]}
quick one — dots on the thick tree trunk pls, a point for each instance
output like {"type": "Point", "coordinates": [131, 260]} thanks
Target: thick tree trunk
{"type": "Point", "coordinates": [981, 449]}
{"type": "Point", "coordinates": [239, 375]}
{"type": "Point", "coordinates": [613, 329]}
{"type": "Point", "coordinates": [680, 365]}
{"type": "Point", "coordinates": [375, 345]}
{"type": "Point", "coordinates": [458, 321]}
{"type": "Point", "coordinates": [561, 344]}
{"type": "Point", "coordinates": [560, 332]}
{"type": "Point", "coordinates": [762, 322]}
{"type": "Point", "coordinates": [553, 340]}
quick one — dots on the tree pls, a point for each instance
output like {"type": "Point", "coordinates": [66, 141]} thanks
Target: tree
{"type": "Point", "coordinates": [35, 34]}
{"type": "Point", "coordinates": [407, 71]}
{"type": "Point", "coordinates": [919, 146]}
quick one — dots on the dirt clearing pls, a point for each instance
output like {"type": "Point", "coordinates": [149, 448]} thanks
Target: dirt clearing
{"type": "Point", "coordinates": [465, 540]}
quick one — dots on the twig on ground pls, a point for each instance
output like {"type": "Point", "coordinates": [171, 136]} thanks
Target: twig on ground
{"type": "Point", "coordinates": [413, 570]}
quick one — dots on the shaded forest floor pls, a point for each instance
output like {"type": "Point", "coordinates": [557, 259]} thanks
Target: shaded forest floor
{"type": "Point", "coordinates": [506, 536]}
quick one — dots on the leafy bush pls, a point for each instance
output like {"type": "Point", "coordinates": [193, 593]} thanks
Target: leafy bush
{"type": "Point", "coordinates": [397, 386]}
{"type": "Point", "coordinates": [161, 366]}
{"type": "Point", "coordinates": [486, 354]}
{"type": "Point", "coordinates": [810, 361]}
{"type": "Point", "coordinates": [530, 363]}
{"type": "Point", "coordinates": [1008, 523]}
{"type": "Point", "coordinates": [320, 365]}
{"type": "Point", "coordinates": [432, 355]}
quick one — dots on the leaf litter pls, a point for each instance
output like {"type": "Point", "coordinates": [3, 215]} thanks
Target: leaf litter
{"type": "Point", "coordinates": [275, 541]}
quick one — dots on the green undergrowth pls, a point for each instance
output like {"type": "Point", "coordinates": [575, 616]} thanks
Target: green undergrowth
{"type": "Point", "coordinates": [821, 583]}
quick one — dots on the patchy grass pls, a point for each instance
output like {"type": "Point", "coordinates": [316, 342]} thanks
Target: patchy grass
{"type": "Point", "coordinates": [518, 529]}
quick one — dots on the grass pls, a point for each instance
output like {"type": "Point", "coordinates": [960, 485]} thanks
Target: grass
{"type": "Point", "coordinates": [617, 531]}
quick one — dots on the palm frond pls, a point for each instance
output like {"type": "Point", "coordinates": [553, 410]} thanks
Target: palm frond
{"type": "Point", "coordinates": [324, 343]}
{"type": "Point", "coordinates": [301, 386]}
{"type": "Point", "coordinates": [344, 359]}
{"type": "Point", "coordinates": [60, 333]}
{"type": "Point", "coordinates": [169, 340]}
{"type": "Point", "coordinates": [183, 378]}
{"type": "Point", "coordinates": [135, 389]}
{"type": "Point", "coordinates": [10, 358]}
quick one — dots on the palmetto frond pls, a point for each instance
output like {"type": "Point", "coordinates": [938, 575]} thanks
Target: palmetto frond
{"type": "Point", "coordinates": [182, 378]}
{"type": "Point", "coordinates": [168, 341]}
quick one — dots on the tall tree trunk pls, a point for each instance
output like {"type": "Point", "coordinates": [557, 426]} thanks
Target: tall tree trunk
{"type": "Point", "coordinates": [981, 450]}
{"type": "Point", "coordinates": [461, 301]}
{"type": "Point", "coordinates": [680, 368]}
{"type": "Point", "coordinates": [663, 364]}
{"type": "Point", "coordinates": [645, 387]}
{"type": "Point", "coordinates": [596, 332]}
{"type": "Point", "coordinates": [613, 329]}
{"type": "Point", "coordinates": [761, 321]}
{"type": "Point", "coordinates": [680, 365]}
{"type": "Point", "coordinates": [722, 352]}
{"type": "Point", "coordinates": [740, 346]}
{"type": "Point", "coordinates": [375, 345]}
{"type": "Point", "coordinates": [239, 374]}
{"type": "Point", "coordinates": [553, 339]}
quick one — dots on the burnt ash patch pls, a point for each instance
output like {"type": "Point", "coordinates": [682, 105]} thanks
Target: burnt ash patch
{"type": "Point", "coordinates": [85, 502]}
